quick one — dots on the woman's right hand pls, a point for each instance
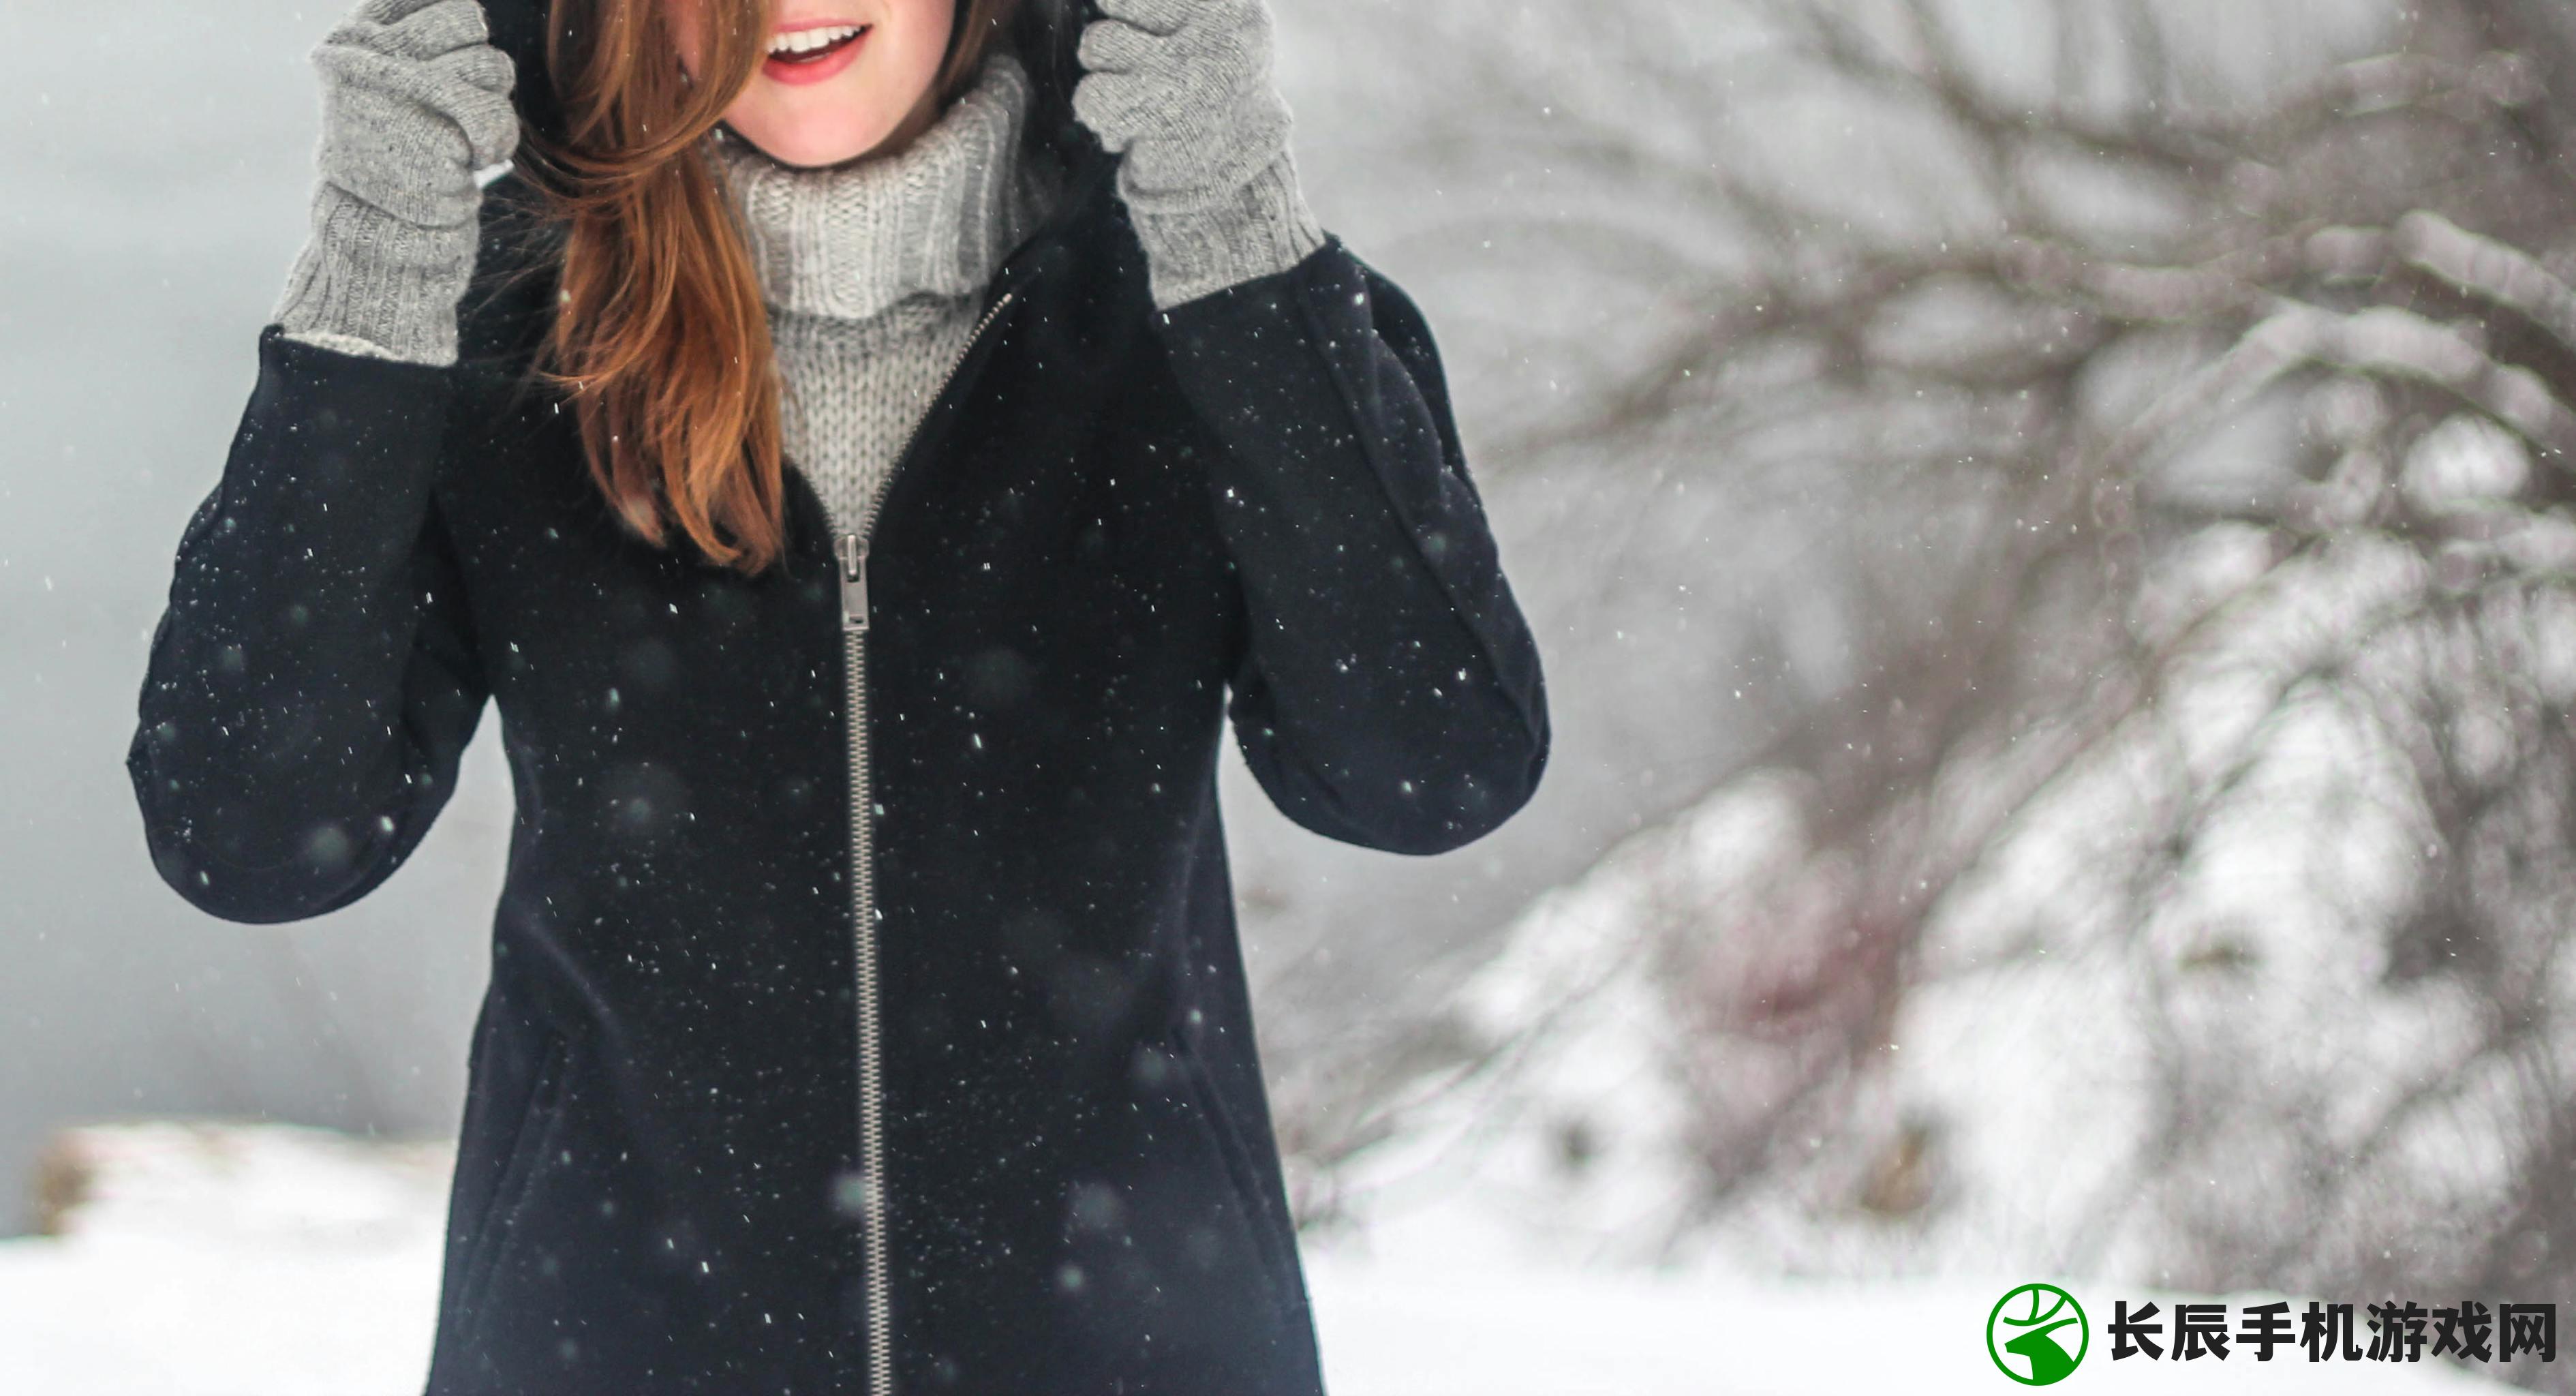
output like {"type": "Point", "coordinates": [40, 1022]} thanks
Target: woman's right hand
{"type": "Point", "coordinates": [415, 100]}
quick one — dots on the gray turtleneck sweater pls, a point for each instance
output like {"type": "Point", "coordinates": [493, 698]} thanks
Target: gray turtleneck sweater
{"type": "Point", "coordinates": [873, 274]}
{"type": "Point", "coordinates": [872, 271]}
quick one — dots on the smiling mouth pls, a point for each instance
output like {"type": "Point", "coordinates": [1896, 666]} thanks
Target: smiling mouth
{"type": "Point", "coordinates": [813, 45]}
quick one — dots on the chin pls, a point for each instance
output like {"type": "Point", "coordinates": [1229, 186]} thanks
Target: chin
{"type": "Point", "coordinates": [810, 147]}
{"type": "Point", "coordinates": [814, 128]}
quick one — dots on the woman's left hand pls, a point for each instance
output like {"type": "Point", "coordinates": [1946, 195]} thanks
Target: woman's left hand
{"type": "Point", "coordinates": [1184, 88]}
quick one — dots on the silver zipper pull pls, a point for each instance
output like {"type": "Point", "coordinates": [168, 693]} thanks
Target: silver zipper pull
{"type": "Point", "coordinates": [854, 582]}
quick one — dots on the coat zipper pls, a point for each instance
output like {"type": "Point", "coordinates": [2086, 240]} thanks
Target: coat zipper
{"type": "Point", "coordinates": [853, 552]}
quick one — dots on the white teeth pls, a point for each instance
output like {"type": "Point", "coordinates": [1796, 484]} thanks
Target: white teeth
{"type": "Point", "coordinates": [809, 40]}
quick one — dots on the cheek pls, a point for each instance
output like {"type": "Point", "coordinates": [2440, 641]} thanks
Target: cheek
{"type": "Point", "coordinates": [926, 25]}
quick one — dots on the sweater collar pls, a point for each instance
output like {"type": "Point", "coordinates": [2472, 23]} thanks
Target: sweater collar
{"type": "Point", "coordinates": [936, 218]}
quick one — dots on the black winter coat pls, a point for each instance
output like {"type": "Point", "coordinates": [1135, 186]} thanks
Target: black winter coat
{"type": "Point", "coordinates": [959, 1097]}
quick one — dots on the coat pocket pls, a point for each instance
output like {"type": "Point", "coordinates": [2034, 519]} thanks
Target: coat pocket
{"type": "Point", "coordinates": [527, 1148]}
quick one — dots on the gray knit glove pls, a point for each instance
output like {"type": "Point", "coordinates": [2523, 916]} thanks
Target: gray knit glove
{"type": "Point", "coordinates": [1184, 89]}
{"type": "Point", "coordinates": [414, 101]}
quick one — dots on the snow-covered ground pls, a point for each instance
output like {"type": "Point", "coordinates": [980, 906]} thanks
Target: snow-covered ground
{"type": "Point", "coordinates": [281, 1261]}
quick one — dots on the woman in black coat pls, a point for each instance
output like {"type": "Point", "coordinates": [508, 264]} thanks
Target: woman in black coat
{"type": "Point", "coordinates": [866, 1011]}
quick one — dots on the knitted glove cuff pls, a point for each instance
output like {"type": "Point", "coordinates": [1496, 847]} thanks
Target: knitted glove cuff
{"type": "Point", "coordinates": [366, 275]}
{"type": "Point", "coordinates": [1258, 229]}
{"type": "Point", "coordinates": [346, 344]}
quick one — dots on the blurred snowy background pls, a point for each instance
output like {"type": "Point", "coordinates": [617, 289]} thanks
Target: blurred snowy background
{"type": "Point", "coordinates": [2050, 523]}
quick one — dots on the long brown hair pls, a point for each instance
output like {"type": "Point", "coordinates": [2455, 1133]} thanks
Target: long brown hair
{"type": "Point", "coordinates": [659, 336]}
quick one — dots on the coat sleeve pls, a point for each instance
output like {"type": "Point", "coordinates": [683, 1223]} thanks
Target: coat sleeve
{"type": "Point", "coordinates": [312, 682]}
{"type": "Point", "coordinates": [1386, 691]}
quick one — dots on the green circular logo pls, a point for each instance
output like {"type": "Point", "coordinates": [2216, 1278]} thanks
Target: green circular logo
{"type": "Point", "coordinates": [2027, 1334]}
